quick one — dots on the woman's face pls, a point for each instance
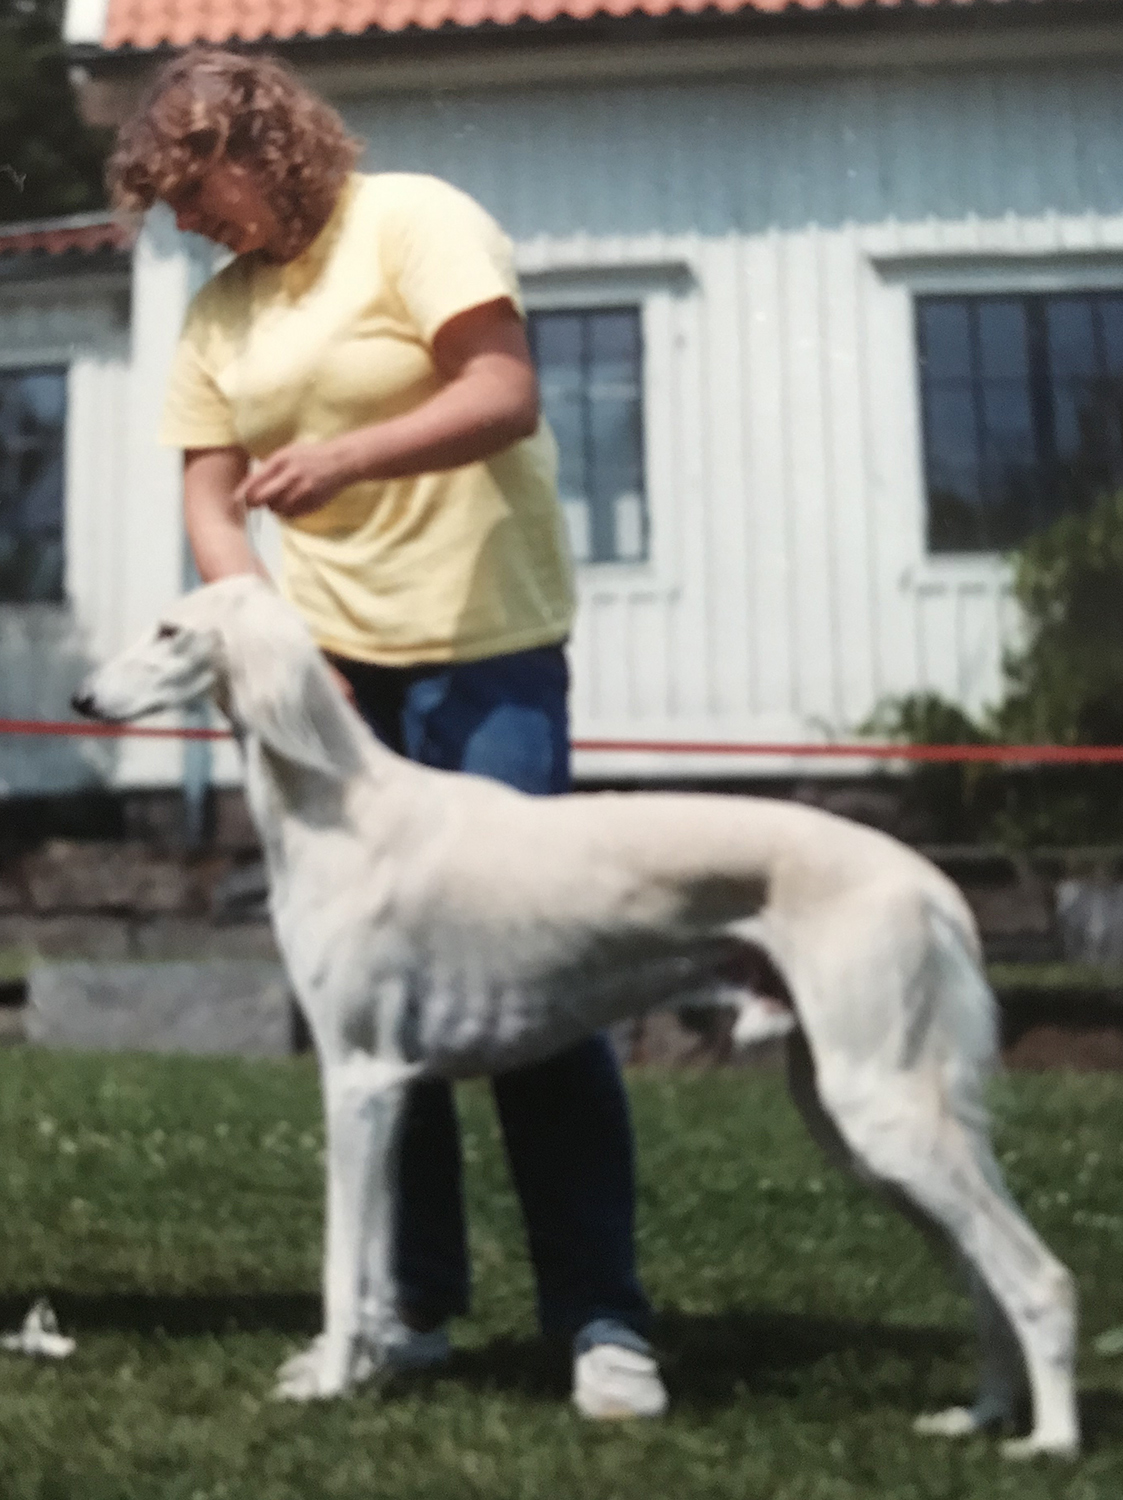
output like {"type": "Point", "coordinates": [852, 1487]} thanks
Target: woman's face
{"type": "Point", "coordinates": [226, 205]}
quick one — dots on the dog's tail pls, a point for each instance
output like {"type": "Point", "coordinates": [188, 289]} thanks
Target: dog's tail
{"type": "Point", "coordinates": [957, 1018]}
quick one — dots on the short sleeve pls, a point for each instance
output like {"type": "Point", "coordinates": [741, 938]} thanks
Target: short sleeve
{"type": "Point", "coordinates": [196, 413]}
{"type": "Point", "coordinates": [446, 254]}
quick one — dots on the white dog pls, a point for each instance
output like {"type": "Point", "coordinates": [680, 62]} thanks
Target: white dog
{"type": "Point", "coordinates": [444, 924]}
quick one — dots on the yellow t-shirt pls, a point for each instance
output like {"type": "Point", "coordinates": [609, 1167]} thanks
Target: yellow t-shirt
{"type": "Point", "coordinates": [451, 566]}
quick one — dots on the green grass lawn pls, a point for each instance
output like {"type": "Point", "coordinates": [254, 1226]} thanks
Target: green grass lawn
{"type": "Point", "coordinates": [171, 1210]}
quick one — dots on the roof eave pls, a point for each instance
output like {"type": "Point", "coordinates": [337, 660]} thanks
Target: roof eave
{"type": "Point", "coordinates": [45, 265]}
{"type": "Point", "coordinates": [829, 16]}
{"type": "Point", "coordinates": [914, 33]}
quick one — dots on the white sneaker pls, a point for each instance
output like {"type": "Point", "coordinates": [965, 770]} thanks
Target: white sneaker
{"type": "Point", "coordinates": [615, 1380]}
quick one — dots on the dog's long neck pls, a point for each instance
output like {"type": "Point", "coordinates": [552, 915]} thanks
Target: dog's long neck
{"type": "Point", "coordinates": [308, 758]}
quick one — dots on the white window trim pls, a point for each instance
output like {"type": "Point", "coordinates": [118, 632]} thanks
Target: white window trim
{"type": "Point", "coordinates": [983, 274]}
{"type": "Point", "coordinates": [991, 275]}
{"type": "Point", "coordinates": [654, 289]}
{"type": "Point", "coordinates": [84, 315]}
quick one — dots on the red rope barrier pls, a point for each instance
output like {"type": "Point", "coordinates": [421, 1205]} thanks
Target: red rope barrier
{"type": "Point", "coordinates": [1021, 754]}
{"type": "Point", "coordinates": [84, 729]}
{"type": "Point", "coordinates": [943, 754]}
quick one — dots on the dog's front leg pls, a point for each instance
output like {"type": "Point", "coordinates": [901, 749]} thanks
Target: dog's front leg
{"type": "Point", "coordinates": [362, 1103]}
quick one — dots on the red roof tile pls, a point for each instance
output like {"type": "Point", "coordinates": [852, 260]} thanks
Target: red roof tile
{"type": "Point", "coordinates": [145, 24]}
{"type": "Point", "coordinates": [83, 233]}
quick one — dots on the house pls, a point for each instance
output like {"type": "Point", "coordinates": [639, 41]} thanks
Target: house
{"type": "Point", "coordinates": [827, 303]}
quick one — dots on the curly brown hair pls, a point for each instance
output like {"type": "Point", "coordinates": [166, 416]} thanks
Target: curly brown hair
{"type": "Point", "coordinates": [210, 103]}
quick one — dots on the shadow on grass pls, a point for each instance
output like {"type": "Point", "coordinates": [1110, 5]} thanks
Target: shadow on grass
{"type": "Point", "coordinates": [707, 1360]}
{"type": "Point", "coordinates": [174, 1316]}
{"type": "Point", "coordinates": [707, 1357]}
{"type": "Point", "coordinates": [1101, 1418]}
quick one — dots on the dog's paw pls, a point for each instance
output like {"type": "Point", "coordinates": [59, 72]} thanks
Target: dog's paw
{"type": "Point", "coordinates": [305, 1376]}
{"type": "Point", "coordinates": [1042, 1446]}
{"type": "Point", "coordinates": [956, 1421]}
{"type": "Point", "coordinates": [323, 1370]}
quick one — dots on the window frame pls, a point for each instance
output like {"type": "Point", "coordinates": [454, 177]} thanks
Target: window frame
{"type": "Point", "coordinates": [656, 292]}
{"type": "Point", "coordinates": [1043, 387]}
{"type": "Point", "coordinates": [899, 275]}
{"type": "Point", "coordinates": [635, 311]}
{"type": "Point", "coordinates": [59, 363]}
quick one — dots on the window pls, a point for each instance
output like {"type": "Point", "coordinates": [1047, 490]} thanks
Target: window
{"type": "Point", "coordinates": [590, 370]}
{"type": "Point", "coordinates": [1023, 412]}
{"type": "Point", "coordinates": [32, 427]}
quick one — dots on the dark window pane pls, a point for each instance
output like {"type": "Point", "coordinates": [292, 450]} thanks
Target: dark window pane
{"type": "Point", "coordinates": [1088, 444]}
{"type": "Point", "coordinates": [614, 339]}
{"type": "Point", "coordinates": [1066, 417]}
{"type": "Point", "coordinates": [44, 393]}
{"type": "Point", "coordinates": [41, 501]}
{"type": "Point", "coordinates": [1111, 321]}
{"type": "Point", "coordinates": [32, 441]}
{"type": "Point", "coordinates": [556, 339]}
{"type": "Point", "coordinates": [591, 379]}
{"type": "Point", "coordinates": [614, 447]}
{"type": "Point", "coordinates": [567, 419]}
{"type": "Point", "coordinates": [953, 452]}
{"type": "Point", "coordinates": [1002, 340]}
{"type": "Point", "coordinates": [945, 341]}
{"type": "Point", "coordinates": [1072, 349]}
{"type": "Point", "coordinates": [1084, 419]}
{"type": "Point", "coordinates": [954, 512]}
{"type": "Point", "coordinates": [1007, 424]}
{"type": "Point", "coordinates": [1007, 462]}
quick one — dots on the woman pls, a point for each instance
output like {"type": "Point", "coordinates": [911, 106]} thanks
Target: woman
{"type": "Point", "coordinates": [361, 369]}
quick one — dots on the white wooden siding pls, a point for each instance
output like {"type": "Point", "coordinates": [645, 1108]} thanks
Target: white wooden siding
{"type": "Point", "coordinates": [794, 218]}
{"type": "Point", "coordinates": [775, 231]}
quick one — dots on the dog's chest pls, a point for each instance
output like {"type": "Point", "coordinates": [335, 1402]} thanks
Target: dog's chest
{"type": "Point", "coordinates": [466, 1014]}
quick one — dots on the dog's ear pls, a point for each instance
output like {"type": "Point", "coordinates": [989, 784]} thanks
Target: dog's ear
{"type": "Point", "coordinates": [281, 689]}
{"type": "Point", "coordinates": [289, 712]}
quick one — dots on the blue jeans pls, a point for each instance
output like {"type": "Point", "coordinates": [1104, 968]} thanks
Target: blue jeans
{"type": "Point", "coordinates": [565, 1121]}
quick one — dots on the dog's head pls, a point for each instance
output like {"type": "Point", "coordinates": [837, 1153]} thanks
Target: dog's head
{"type": "Point", "coordinates": [239, 641]}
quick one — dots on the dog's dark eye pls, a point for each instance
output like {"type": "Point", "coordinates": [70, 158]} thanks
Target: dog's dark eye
{"type": "Point", "coordinates": [167, 632]}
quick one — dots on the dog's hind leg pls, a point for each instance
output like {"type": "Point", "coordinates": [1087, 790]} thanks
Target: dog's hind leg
{"type": "Point", "coordinates": [903, 1135]}
{"type": "Point", "coordinates": [1002, 1383]}
{"type": "Point", "coordinates": [805, 1096]}
{"type": "Point", "coordinates": [362, 1102]}
{"type": "Point", "coordinates": [1003, 1380]}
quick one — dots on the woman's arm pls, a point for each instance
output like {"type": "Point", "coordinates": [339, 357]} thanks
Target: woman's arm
{"type": "Point", "coordinates": [489, 400]}
{"type": "Point", "coordinates": [215, 519]}
{"type": "Point", "coordinates": [216, 522]}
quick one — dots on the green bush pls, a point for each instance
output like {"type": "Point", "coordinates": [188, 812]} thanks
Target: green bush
{"type": "Point", "coordinates": [946, 804]}
{"type": "Point", "coordinates": [1064, 685]}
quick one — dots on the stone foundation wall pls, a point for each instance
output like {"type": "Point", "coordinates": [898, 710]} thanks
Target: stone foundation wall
{"type": "Point", "coordinates": [115, 882]}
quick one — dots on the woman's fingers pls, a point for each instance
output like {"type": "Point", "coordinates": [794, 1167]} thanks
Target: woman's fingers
{"type": "Point", "coordinates": [267, 483]}
{"type": "Point", "coordinates": [292, 481]}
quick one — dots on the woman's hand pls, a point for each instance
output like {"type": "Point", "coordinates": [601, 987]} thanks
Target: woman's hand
{"type": "Point", "coordinates": [296, 479]}
{"type": "Point", "coordinates": [488, 401]}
